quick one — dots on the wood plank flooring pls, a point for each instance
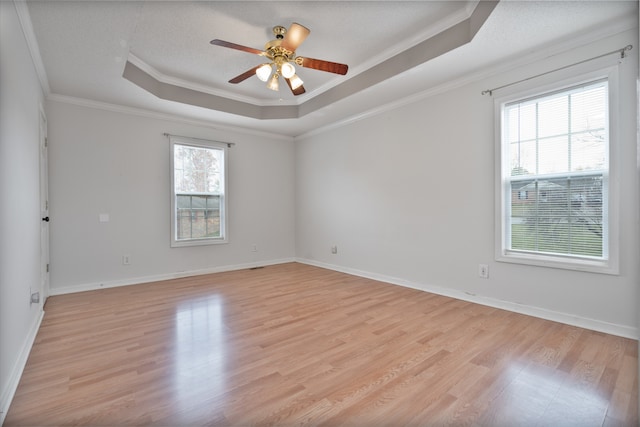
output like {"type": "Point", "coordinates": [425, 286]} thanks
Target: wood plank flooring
{"type": "Point", "coordinates": [298, 345]}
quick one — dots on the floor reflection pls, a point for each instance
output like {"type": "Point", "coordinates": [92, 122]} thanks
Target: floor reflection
{"type": "Point", "coordinates": [542, 395]}
{"type": "Point", "coordinates": [200, 352]}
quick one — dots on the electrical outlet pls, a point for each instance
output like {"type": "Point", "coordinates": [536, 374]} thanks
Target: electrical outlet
{"type": "Point", "coordinates": [126, 260]}
{"type": "Point", "coordinates": [254, 247]}
{"type": "Point", "coordinates": [483, 271]}
{"type": "Point", "coordinates": [34, 297]}
{"type": "Point", "coordinates": [334, 249]}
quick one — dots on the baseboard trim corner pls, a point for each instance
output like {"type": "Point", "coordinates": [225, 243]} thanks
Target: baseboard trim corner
{"type": "Point", "coordinates": [16, 372]}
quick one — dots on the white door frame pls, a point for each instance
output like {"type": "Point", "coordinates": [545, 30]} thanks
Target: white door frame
{"type": "Point", "coordinates": [44, 210]}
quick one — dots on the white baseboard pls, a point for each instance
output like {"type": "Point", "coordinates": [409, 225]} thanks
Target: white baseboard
{"type": "Point", "coordinates": [569, 319]}
{"type": "Point", "coordinates": [18, 367]}
{"type": "Point", "coordinates": [596, 325]}
{"type": "Point", "coordinates": [159, 277]}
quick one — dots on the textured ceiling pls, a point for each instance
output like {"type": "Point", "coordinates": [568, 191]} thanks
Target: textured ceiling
{"type": "Point", "coordinates": [85, 45]}
{"type": "Point", "coordinates": [174, 38]}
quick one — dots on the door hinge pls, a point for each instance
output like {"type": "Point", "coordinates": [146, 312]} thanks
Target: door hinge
{"type": "Point", "coordinates": [46, 141]}
{"type": "Point", "coordinates": [47, 267]}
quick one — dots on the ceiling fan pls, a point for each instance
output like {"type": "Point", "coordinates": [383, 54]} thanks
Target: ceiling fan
{"type": "Point", "coordinates": [281, 53]}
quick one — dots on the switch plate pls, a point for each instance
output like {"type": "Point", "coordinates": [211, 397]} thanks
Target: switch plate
{"type": "Point", "coordinates": [126, 259]}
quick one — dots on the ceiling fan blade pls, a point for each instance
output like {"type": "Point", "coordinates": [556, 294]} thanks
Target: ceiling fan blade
{"type": "Point", "coordinates": [244, 76]}
{"type": "Point", "coordinates": [297, 91]}
{"type": "Point", "coordinates": [319, 64]}
{"type": "Point", "coordinates": [230, 45]}
{"type": "Point", "coordinates": [295, 36]}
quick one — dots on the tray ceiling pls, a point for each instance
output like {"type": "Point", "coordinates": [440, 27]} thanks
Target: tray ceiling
{"type": "Point", "coordinates": [87, 46]}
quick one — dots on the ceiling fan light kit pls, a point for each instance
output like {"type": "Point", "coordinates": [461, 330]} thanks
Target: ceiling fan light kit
{"type": "Point", "coordinates": [287, 70]}
{"type": "Point", "coordinates": [273, 83]}
{"type": "Point", "coordinates": [263, 72]}
{"type": "Point", "coordinates": [282, 54]}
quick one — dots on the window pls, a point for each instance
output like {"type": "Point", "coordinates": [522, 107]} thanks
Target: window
{"type": "Point", "coordinates": [554, 182]}
{"type": "Point", "coordinates": [198, 192]}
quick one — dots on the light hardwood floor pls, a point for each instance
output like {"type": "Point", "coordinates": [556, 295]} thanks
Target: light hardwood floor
{"type": "Point", "coordinates": [293, 344]}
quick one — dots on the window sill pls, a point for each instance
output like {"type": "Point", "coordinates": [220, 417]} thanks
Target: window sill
{"type": "Point", "coordinates": [565, 263]}
{"type": "Point", "coordinates": [197, 242]}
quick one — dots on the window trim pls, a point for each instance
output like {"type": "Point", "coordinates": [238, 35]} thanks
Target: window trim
{"type": "Point", "coordinates": [224, 199]}
{"type": "Point", "coordinates": [536, 87]}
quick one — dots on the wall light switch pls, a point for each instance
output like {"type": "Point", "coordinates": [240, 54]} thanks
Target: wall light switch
{"type": "Point", "coordinates": [104, 217]}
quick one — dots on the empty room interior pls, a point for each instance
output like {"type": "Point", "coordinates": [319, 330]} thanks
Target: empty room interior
{"type": "Point", "coordinates": [319, 213]}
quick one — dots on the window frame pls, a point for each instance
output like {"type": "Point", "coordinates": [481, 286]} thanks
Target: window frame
{"type": "Point", "coordinates": [557, 82]}
{"type": "Point", "coordinates": [224, 200]}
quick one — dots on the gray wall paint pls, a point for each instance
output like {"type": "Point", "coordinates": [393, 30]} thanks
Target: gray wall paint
{"type": "Point", "coordinates": [20, 102]}
{"type": "Point", "coordinates": [409, 195]}
{"type": "Point", "coordinates": [105, 162]}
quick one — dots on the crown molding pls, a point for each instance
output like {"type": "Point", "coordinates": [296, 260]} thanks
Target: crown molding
{"type": "Point", "coordinates": [176, 81]}
{"type": "Point", "coordinates": [542, 53]}
{"type": "Point", "coordinates": [430, 31]}
{"type": "Point", "coordinates": [32, 43]}
{"type": "Point", "coordinates": [141, 112]}
{"type": "Point", "coordinates": [419, 37]}
{"type": "Point", "coordinates": [442, 40]}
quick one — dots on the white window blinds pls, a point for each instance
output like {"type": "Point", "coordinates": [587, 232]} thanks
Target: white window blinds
{"type": "Point", "coordinates": [556, 178]}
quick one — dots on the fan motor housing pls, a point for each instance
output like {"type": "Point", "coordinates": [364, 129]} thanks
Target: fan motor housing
{"type": "Point", "coordinates": [274, 50]}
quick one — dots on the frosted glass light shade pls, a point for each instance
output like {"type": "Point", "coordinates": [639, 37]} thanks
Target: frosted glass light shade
{"type": "Point", "coordinates": [287, 69]}
{"type": "Point", "coordinates": [295, 81]}
{"type": "Point", "coordinates": [273, 83]}
{"type": "Point", "coordinates": [263, 72]}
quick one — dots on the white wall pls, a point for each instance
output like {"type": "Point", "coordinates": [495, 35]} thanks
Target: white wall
{"type": "Point", "coordinates": [408, 197]}
{"type": "Point", "coordinates": [20, 100]}
{"type": "Point", "coordinates": [115, 163]}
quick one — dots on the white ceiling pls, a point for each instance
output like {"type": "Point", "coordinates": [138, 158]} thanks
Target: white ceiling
{"type": "Point", "coordinates": [85, 45]}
